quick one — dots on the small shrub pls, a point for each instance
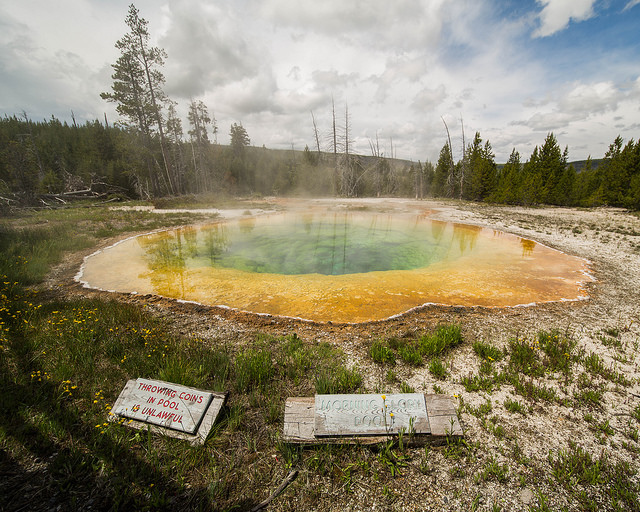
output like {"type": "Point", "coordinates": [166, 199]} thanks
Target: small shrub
{"type": "Point", "coordinates": [437, 369]}
{"type": "Point", "coordinates": [410, 354]}
{"type": "Point", "coordinates": [381, 353]}
{"type": "Point", "coordinates": [445, 337]}
{"type": "Point", "coordinates": [514, 406]}
{"type": "Point", "coordinates": [486, 351]}
{"type": "Point", "coordinates": [406, 388]}
{"type": "Point", "coordinates": [478, 383]}
{"type": "Point", "coordinates": [523, 356]}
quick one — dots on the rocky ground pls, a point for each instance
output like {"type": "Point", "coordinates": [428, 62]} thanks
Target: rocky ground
{"type": "Point", "coordinates": [606, 324]}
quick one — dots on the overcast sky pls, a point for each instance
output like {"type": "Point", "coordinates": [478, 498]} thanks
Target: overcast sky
{"type": "Point", "coordinates": [513, 70]}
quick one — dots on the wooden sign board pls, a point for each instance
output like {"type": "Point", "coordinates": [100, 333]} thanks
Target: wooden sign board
{"type": "Point", "coordinates": [179, 410]}
{"type": "Point", "coordinates": [370, 415]}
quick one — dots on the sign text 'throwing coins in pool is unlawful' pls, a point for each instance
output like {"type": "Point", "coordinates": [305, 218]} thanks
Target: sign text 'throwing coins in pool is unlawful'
{"type": "Point", "coordinates": [168, 405]}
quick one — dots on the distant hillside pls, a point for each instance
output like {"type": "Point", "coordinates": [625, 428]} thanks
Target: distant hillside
{"type": "Point", "coordinates": [578, 165]}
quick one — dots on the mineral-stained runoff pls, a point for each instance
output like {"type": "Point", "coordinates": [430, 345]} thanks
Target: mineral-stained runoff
{"type": "Point", "coordinates": [474, 267]}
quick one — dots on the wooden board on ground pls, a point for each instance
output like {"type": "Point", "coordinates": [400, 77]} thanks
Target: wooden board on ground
{"type": "Point", "coordinates": [299, 424]}
{"type": "Point", "coordinates": [373, 414]}
{"type": "Point", "coordinates": [175, 410]}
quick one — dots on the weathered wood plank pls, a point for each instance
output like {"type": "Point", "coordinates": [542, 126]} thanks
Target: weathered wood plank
{"type": "Point", "coordinates": [438, 405]}
{"type": "Point", "coordinates": [442, 416]}
{"type": "Point", "coordinates": [299, 419]}
{"type": "Point", "coordinates": [299, 424]}
{"type": "Point", "coordinates": [370, 414]}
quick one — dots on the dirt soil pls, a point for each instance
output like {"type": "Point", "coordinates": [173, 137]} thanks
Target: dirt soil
{"type": "Point", "coordinates": [609, 238]}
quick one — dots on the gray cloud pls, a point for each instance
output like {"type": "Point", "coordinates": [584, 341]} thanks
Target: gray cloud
{"type": "Point", "coordinates": [399, 65]}
{"type": "Point", "coordinates": [583, 102]}
{"type": "Point", "coordinates": [39, 81]}
{"type": "Point", "coordinates": [206, 49]}
{"type": "Point", "coordinates": [401, 25]}
{"type": "Point", "coordinates": [429, 99]}
{"type": "Point", "coordinates": [330, 79]}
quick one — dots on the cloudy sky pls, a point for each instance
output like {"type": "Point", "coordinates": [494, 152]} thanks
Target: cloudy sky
{"type": "Point", "coordinates": [513, 70]}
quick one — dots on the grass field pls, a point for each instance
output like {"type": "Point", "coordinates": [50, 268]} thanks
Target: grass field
{"type": "Point", "coordinates": [63, 362]}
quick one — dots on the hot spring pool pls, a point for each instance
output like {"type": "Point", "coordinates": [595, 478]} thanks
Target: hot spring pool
{"type": "Point", "coordinates": [337, 266]}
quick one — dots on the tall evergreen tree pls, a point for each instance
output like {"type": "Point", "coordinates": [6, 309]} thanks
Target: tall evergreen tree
{"type": "Point", "coordinates": [439, 186]}
{"type": "Point", "coordinates": [137, 90]}
{"type": "Point", "coordinates": [199, 121]}
{"type": "Point", "coordinates": [481, 167]}
{"type": "Point", "coordinates": [508, 181]}
{"type": "Point", "coordinates": [551, 164]}
{"type": "Point", "coordinates": [531, 184]}
{"type": "Point", "coordinates": [239, 138]}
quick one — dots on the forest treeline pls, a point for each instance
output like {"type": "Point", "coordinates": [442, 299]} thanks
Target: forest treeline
{"type": "Point", "coordinates": [51, 158]}
{"type": "Point", "coordinates": [545, 178]}
{"type": "Point", "coordinates": [146, 154]}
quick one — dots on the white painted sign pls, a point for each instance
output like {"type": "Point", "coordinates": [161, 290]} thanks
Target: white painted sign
{"type": "Point", "coordinates": [164, 404]}
{"type": "Point", "coordinates": [374, 414]}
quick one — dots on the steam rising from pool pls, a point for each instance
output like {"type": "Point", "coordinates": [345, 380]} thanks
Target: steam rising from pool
{"type": "Point", "coordinates": [341, 267]}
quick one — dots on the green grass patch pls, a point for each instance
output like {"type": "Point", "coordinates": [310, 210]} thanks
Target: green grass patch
{"type": "Point", "coordinates": [438, 369]}
{"type": "Point", "coordinates": [589, 479]}
{"type": "Point", "coordinates": [414, 351]}
{"type": "Point", "coordinates": [533, 390]}
{"type": "Point", "coordinates": [515, 406]}
{"type": "Point", "coordinates": [253, 369]}
{"type": "Point", "coordinates": [381, 353]}
{"type": "Point", "coordinates": [486, 351]}
{"type": "Point", "coordinates": [338, 380]}
{"type": "Point", "coordinates": [547, 353]}
{"type": "Point", "coordinates": [594, 364]}
{"type": "Point", "coordinates": [475, 383]}
{"type": "Point", "coordinates": [443, 339]}
{"type": "Point", "coordinates": [410, 354]}
{"type": "Point", "coordinates": [493, 470]}
{"type": "Point", "coordinates": [588, 397]}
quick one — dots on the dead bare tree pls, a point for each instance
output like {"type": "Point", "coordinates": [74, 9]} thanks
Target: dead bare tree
{"type": "Point", "coordinates": [463, 167]}
{"type": "Point", "coordinates": [336, 175]}
{"type": "Point", "coordinates": [375, 152]}
{"type": "Point", "coordinates": [317, 135]}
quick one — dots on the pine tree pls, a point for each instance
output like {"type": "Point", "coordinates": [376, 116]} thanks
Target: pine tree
{"type": "Point", "coordinates": [552, 162]}
{"type": "Point", "coordinates": [442, 172]}
{"type": "Point", "coordinates": [137, 90]}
